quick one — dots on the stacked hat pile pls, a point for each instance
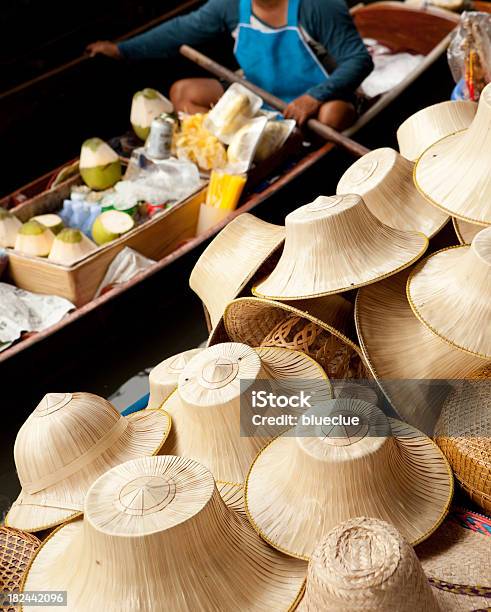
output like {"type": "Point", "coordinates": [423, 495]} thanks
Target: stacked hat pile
{"type": "Point", "coordinates": [181, 507]}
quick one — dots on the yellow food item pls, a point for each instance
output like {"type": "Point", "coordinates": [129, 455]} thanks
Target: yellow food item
{"type": "Point", "coordinates": [196, 144]}
{"type": "Point", "coordinates": [224, 190]}
{"type": "Point", "coordinates": [234, 113]}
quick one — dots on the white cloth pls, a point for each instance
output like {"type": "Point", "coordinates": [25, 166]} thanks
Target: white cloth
{"type": "Point", "coordinates": [127, 264]}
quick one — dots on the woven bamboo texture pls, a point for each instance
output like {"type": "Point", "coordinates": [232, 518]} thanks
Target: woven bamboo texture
{"type": "Point", "coordinates": [463, 432]}
{"type": "Point", "coordinates": [17, 549]}
{"type": "Point", "coordinates": [316, 327]}
{"type": "Point", "coordinates": [457, 559]}
{"type": "Point", "coordinates": [450, 293]}
{"type": "Point", "coordinates": [168, 540]}
{"type": "Point", "coordinates": [65, 444]}
{"type": "Point", "coordinates": [207, 408]}
{"type": "Point", "coordinates": [164, 377]}
{"type": "Point", "coordinates": [433, 123]}
{"type": "Point", "coordinates": [453, 173]}
{"type": "Point", "coordinates": [364, 564]}
{"type": "Point", "coordinates": [336, 244]}
{"type": "Point", "coordinates": [380, 468]}
{"type": "Point", "coordinates": [403, 353]}
{"type": "Point", "coordinates": [466, 232]}
{"type": "Point", "coordinates": [231, 260]}
{"type": "Point", "coordinates": [384, 179]}
{"type": "Point", "coordinates": [479, 498]}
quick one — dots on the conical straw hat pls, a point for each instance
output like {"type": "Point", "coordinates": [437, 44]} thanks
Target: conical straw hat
{"type": "Point", "coordinates": [384, 179]}
{"type": "Point", "coordinates": [465, 231]}
{"type": "Point", "coordinates": [404, 356]}
{"type": "Point", "coordinates": [231, 260]}
{"type": "Point", "coordinates": [157, 535]}
{"type": "Point", "coordinates": [365, 565]}
{"type": "Point", "coordinates": [315, 327]}
{"type": "Point", "coordinates": [336, 244]}
{"type": "Point", "coordinates": [463, 432]}
{"type": "Point", "coordinates": [453, 174]}
{"type": "Point", "coordinates": [17, 548]}
{"type": "Point", "coordinates": [376, 467]}
{"type": "Point", "coordinates": [211, 403]}
{"type": "Point", "coordinates": [163, 377]}
{"type": "Point", "coordinates": [450, 292]}
{"type": "Point", "coordinates": [456, 560]}
{"type": "Point", "coordinates": [65, 444]}
{"type": "Point", "coordinates": [433, 123]}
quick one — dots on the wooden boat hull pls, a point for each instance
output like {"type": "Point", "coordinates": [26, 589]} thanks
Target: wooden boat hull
{"type": "Point", "coordinates": [436, 24]}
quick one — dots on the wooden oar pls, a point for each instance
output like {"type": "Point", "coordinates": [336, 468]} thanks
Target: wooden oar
{"type": "Point", "coordinates": [316, 126]}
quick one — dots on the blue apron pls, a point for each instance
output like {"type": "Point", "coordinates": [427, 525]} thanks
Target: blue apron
{"type": "Point", "coordinates": [279, 60]}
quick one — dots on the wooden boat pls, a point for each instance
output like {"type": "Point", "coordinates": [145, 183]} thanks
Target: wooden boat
{"type": "Point", "coordinates": [393, 24]}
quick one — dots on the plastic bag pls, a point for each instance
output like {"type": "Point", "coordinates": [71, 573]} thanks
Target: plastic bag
{"type": "Point", "coordinates": [243, 145]}
{"type": "Point", "coordinates": [234, 109]}
{"type": "Point", "coordinates": [469, 54]}
{"type": "Point", "coordinates": [275, 134]}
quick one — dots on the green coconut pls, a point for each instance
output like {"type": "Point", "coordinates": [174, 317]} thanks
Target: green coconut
{"type": "Point", "coordinates": [110, 225]}
{"type": "Point", "coordinates": [34, 239]}
{"type": "Point", "coordinates": [100, 166]}
{"type": "Point", "coordinates": [146, 105]}
{"type": "Point", "coordinates": [9, 226]}
{"type": "Point", "coordinates": [70, 246]}
{"type": "Point", "coordinates": [51, 221]}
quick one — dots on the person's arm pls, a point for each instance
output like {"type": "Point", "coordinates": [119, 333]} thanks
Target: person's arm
{"type": "Point", "coordinates": [195, 28]}
{"type": "Point", "coordinates": [329, 23]}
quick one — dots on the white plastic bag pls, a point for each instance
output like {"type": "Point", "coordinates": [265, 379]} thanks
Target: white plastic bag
{"type": "Point", "coordinates": [243, 145]}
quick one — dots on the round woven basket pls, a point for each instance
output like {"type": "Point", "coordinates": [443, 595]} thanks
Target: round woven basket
{"type": "Point", "coordinates": [17, 548]}
{"type": "Point", "coordinates": [478, 497]}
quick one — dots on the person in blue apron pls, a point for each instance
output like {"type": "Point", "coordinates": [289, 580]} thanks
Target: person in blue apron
{"type": "Point", "coordinates": [307, 52]}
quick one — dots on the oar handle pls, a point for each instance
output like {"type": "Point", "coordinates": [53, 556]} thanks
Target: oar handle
{"type": "Point", "coordinates": [316, 126]}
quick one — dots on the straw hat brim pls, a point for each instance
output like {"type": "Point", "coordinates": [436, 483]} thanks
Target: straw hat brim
{"type": "Point", "coordinates": [457, 559]}
{"type": "Point", "coordinates": [227, 464]}
{"type": "Point", "coordinates": [417, 507]}
{"type": "Point", "coordinates": [466, 232]}
{"type": "Point", "coordinates": [451, 195]}
{"type": "Point", "coordinates": [432, 294]}
{"type": "Point", "coordinates": [400, 351]}
{"type": "Point", "coordinates": [398, 250]}
{"type": "Point", "coordinates": [280, 581]}
{"type": "Point", "coordinates": [146, 433]}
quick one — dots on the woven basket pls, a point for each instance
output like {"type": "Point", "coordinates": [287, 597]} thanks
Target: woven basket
{"type": "Point", "coordinates": [17, 548]}
{"type": "Point", "coordinates": [339, 360]}
{"type": "Point", "coordinates": [478, 497]}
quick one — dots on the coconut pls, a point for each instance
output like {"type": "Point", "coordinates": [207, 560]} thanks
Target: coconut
{"type": "Point", "coordinates": [51, 221]}
{"type": "Point", "coordinates": [9, 226]}
{"type": "Point", "coordinates": [70, 246]}
{"type": "Point", "coordinates": [147, 104]}
{"type": "Point", "coordinates": [100, 165]}
{"type": "Point", "coordinates": [111, 225]}
{"type": "Point", "coordinates": [34, 239]}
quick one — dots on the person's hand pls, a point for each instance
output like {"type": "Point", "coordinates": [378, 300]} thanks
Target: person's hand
{"type": "Point", "coordinates": [302, 108]}
{"type": "Point", "coordinates": [104, 47]}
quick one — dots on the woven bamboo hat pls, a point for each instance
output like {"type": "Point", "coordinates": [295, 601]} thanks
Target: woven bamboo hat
{"type": "Point", "coordinates": [231, 261]}
{"type": "Point", "coordinates": [456, 561]}
{"type": "Point", "coordinates": [453, 174]}
{"type": "Point", "coordinates": [211, 403]}
{"type": "Point", "coordinates": [402, 353]}
{"type": "Point", "coordinates": [433, 123]}
{"type": "Point", "coordinates": [314, 327]}
{"type": "Point", "coordinates": [163, 377]}
{"type": "Point", "coordinates": [450, 292]}
{"type": "Point", "coordinates": [466, 232]}
{"type": "Point", "coordinates": [65, 444]}
{"type": "Point", "coordinates": [364, 564]}
{"type": "Point", "coordinates": [463, 432]}
{"type": "Point", "coordinates": [336, 244]}
{"type": "Point", "coordinates": [17, 548]}
{"type": "Point", "coordinates": [178, 547]}
{"type": "Point", "coordinates": [376, 466]}
{"type": "Point", "coordinates": [384, 179]}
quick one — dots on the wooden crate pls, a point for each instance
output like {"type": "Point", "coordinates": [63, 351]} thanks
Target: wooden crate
{"type": "Point", "coordinates": [78, 283]}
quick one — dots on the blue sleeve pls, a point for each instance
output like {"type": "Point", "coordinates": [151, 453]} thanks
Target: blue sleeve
{"type": "Point", "coordinates": [202, 25]}
{"type": "Point", "coordinates": [329, 23]}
